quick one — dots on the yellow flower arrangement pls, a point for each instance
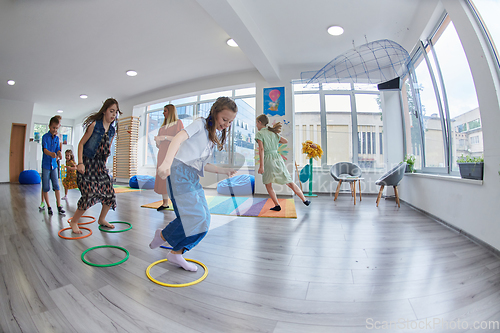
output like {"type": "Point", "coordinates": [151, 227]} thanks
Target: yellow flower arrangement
{"type": "Point", "coordinates": [313, 150]}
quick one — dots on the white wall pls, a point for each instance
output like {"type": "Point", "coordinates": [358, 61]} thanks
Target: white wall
{"type": "Point", "coordinates": [13, 112]}
{"type": "Point", "coordinates": [464, 204]}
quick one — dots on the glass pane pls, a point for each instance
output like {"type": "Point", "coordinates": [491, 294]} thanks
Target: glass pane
{"type": "Point", "coordinates": [412, 124]}
{"type": "Point", "coordinates": [338, 103]}
{"type": "Point", "coordinates": [369, 126]}
{"type": "Point", "coordinates": [488, 10]}
{"type": "Point", "coordinates": [203, 110]}
{"type": "Point", "coordinates": [39, 130]}
{"type": "Point", "coordinates": [338, 128]}
{"type": "Point", "coordinates": [368, 103]}
{"type": "Point", "coordinates": [336, 86]}
{"type": "Point", "coordinates": [308, 125]}
{"type": "Point", "coordinates": [306, 103]}
{"type": "Point", "coordinates": [244, 133]}
{"type": "Point", "coordinates": [306, 87]}
{"type": "Point", "coordinates": [365, 86]}
{"type": "Point", "coordinates": [66, 134]}
{"type": "Point", "coordinates": [156, 106]}
{"type": "Point", "coordinates": [432, 131]}
{"type": "Point", "coordinates": [185, 114]}
{"type": "Point", "coordinates": [185, 100]}
{"type": "Point", "coordinates": [215, 95]}
{"type": "Point", "coordinates": [245, 91]}
{"type": "Point", "coordinates": [461, 95]}
{"type": "Point", "coordinates": [153, 123]}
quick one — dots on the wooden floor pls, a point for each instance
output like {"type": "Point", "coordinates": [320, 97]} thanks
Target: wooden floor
{"type": "Point", "coordinates": [336, 268]}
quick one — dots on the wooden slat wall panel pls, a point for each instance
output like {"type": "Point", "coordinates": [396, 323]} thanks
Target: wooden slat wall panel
{"type": "Point", "coordinates": [125, 159]}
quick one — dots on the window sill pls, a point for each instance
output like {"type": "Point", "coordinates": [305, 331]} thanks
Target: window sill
{"type": "Point", "coordinates": [445, 178]}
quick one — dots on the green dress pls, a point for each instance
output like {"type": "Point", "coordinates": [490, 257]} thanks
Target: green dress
{"type": "Point", "coordinates": [275, 170]}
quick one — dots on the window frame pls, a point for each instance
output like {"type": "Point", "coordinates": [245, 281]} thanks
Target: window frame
{"type": "Point", "coordinates": [440, 95]}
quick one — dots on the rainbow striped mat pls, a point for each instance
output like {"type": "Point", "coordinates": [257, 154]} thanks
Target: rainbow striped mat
{"type": "Point", "coordinates": [124, 188]}
{"type": "Point", "coordinates": [243, 206]}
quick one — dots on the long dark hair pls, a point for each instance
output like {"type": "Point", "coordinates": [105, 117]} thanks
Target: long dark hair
{"type": "Point", "coordinates": [220, 104]}
{"type": "Point", "coordinates": [100, 114]}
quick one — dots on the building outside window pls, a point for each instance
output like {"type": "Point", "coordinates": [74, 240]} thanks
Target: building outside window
{"type": "Point", "coordinates": [345, 119]}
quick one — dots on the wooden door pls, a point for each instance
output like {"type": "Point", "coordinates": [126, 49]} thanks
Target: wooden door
{"type": "Point", "coordinates": [16, 159]}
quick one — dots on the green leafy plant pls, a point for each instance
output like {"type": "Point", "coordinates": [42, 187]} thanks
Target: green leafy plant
{"type": "Point", "coordinates": [470, 159]}
{"type": "Point", "coordinates": [410, 161]}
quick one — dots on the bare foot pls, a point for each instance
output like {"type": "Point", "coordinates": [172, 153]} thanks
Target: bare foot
{"type": "Point", "coordinates": [106, 224]}
{"type": "Point", "coordinates": [75, 228]}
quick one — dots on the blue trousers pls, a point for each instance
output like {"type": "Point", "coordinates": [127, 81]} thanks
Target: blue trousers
{"type": "Point", "coordinates": [190, 206]}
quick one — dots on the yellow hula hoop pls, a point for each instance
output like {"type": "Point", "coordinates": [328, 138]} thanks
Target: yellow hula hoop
{"type": "Point", "coordinates": [181, 284]}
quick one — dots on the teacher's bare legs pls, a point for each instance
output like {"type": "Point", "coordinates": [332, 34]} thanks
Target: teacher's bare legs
{"type": "Point", "coordinates": [74, 221]}
{"type": "Point", "coordinates": [102, 218]}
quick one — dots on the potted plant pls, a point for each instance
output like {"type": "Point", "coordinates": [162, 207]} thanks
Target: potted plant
{"type": "Point", "coordinates": [471, 167]}
{"type": "Point", "coordinates": [410, 163]}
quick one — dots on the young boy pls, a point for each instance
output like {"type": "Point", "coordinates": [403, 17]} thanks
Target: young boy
{"type": "Point", "coordinates": [51, 150]}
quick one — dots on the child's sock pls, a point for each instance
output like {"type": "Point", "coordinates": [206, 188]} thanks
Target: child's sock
{"type": "Point", "coordinates": [307, 202]}
{"type": "Point", "coordinates": [157, 240]}
{"type": "Point", "coordinates": [42, 206]}
{"type": "Point", "coordinates": [178, 260]}
{"type": "Point", "coordinates": [276, 208]}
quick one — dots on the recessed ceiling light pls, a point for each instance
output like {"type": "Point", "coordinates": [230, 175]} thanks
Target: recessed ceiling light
{"type": "Point", "coordinates": [131, 73]}
{"type": "Point", "coordinates": [335, 30]}
{"type": "Point", "coordinates": [83, 96]}
{"type": "Point", "coordinates": [231, 42]}
{"type": "Point", "coordinates": [11, 82]}
{"type": "Point", "coordinates": [60, 111]}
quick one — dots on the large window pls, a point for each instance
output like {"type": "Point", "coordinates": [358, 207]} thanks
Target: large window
{"type": "Point", "coordinates": [344, 118]}
{"type": "Point", "coordinates": [486, 12]}
{"type": "Point", "coordinates": [239, 148]}
{"type": "Point", "coordinates": [440, 103]}
{"type": "Point", "coordinates": [66, 133]}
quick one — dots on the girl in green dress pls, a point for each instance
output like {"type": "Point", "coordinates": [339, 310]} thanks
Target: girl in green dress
{"type": "Point", "coordinates": [272, 167]}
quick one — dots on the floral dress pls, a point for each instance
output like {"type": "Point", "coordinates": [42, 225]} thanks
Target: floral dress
{"type": "Point", "coordinates": [69, 182]}
{"type": "Point", "coordinates": [95, 184]}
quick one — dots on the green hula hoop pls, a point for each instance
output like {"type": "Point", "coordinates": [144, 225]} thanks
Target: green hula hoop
{"type": "Point", "coordinates": [102, 246]}
{"type": "Point", "coordinates": [111, 230]}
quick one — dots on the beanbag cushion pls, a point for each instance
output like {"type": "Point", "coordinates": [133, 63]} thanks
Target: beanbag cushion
{"type": "Point", "coordinates": [237, 185]}
{"type": "Point", "coordinates": [142, 182]}
{"type": "Point", "coordinates": [29, 177]}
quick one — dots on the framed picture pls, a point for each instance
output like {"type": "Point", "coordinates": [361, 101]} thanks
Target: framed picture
{"type": "Point", "coordinates": [274, 101]}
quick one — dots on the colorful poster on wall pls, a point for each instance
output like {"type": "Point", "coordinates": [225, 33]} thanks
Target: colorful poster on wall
{"type": "Point", "coordinates": [65, 139]}
{"type": "Point", "coordinates": [274, 101]}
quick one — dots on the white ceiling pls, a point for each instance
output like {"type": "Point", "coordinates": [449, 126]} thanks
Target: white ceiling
{"type": "Point", "coordinates": [56, 50]}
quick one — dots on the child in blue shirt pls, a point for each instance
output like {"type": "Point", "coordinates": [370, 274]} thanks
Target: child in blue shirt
{"type": "Point", "coordinates": [51, 151]}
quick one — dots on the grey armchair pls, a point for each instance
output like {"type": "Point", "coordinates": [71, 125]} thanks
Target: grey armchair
{"type": "Point", "coordinates": [346, 172]}
{"type": "Point", "coordinates": [392, 178]}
